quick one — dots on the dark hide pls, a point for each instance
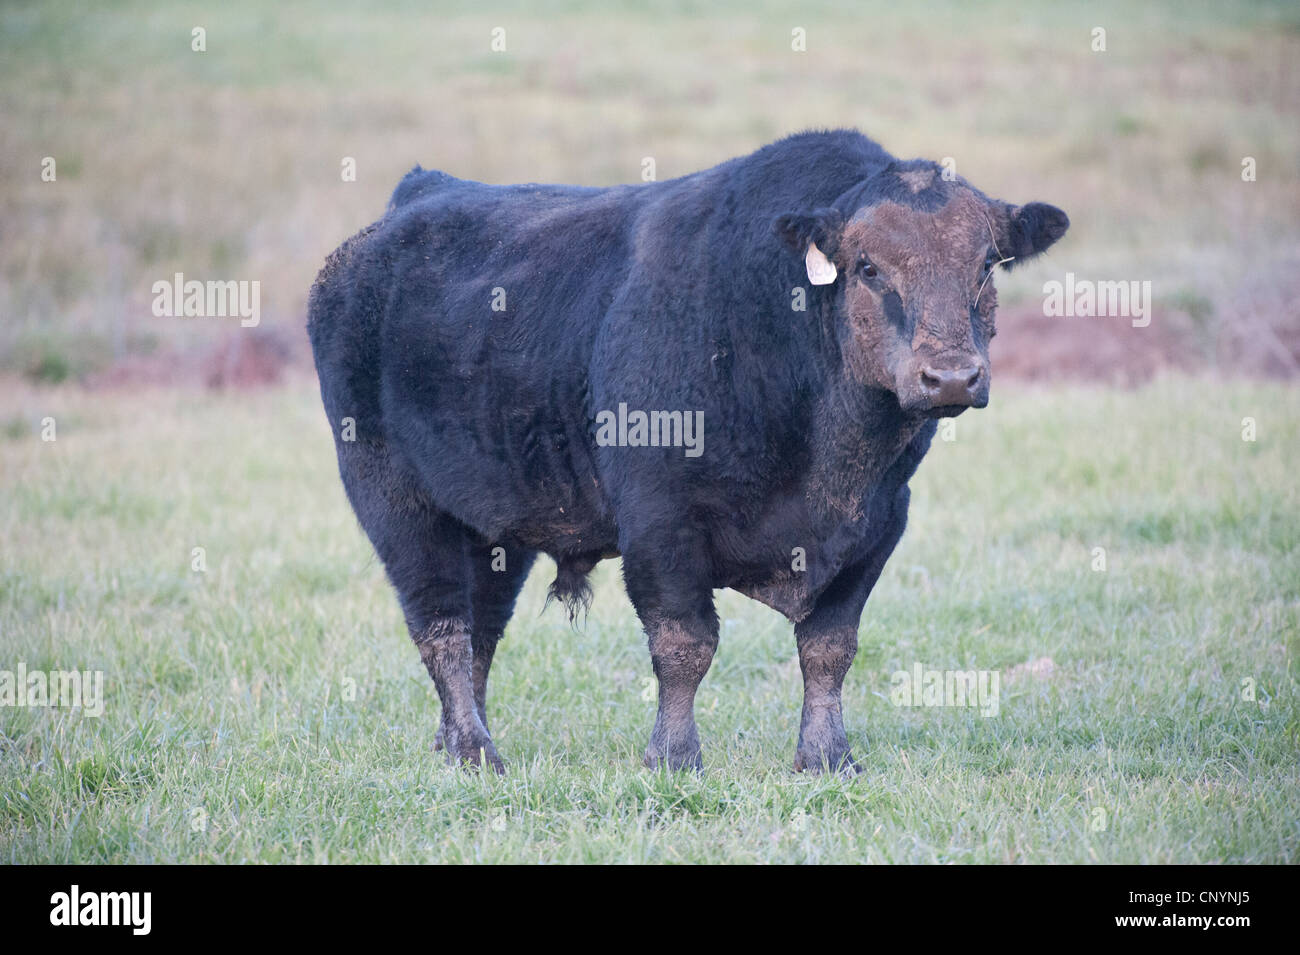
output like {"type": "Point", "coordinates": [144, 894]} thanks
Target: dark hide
{"type": "Point", "coordinates": [475, 443]}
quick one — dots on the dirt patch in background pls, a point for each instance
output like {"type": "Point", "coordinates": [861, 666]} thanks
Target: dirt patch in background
{"type": "Point", "coordinates": [1028, 347]}
{"type": "Point", "coordinates": [249, 358]}
{"type": "Point", "coordinates": [1032, 347]}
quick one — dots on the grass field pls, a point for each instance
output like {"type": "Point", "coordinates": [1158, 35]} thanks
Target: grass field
{"type": "Point", "coordinates": [268, 707]}
{"type": "Point", "coordinates": [230, 732]}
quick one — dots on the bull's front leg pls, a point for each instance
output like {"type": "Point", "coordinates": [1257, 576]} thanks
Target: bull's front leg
{"type": "Point", "coordinates": [825, 656]}
{"type": "Point", "coordinates": [828, 641]}
{"type": "Point", "coordinates": [680, 651]}
{"type": "Point", "coordinates": [667, 577]}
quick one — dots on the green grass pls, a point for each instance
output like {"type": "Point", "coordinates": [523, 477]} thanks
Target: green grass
{"type": "Point", "coordinates": [229, 734]}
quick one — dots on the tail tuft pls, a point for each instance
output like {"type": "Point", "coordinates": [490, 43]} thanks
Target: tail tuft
{"type": "Point", "coordinates": [570, 586]}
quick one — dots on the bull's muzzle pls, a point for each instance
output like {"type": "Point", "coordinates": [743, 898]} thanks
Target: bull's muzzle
{"type": "Point", "coordinates": [946, 389]}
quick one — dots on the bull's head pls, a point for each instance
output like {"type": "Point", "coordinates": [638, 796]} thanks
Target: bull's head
{"type": "Point", "coordinates": [910, 256]}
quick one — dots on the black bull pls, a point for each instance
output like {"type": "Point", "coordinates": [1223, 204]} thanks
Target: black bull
{"type": "Point", "coordinates": [727, 378]}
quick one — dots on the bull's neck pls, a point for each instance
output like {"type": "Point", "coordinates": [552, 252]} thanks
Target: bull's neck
{"type": "Point", "coordinates": [857, 434]}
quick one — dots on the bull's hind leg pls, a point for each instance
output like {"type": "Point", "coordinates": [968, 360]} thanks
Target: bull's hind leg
{"type": "Point", "coordinates": [435, 588]}
{"type": "Point", "coordinates": [428, 557]}
{"type": "Point", "coordinates": [498, 574]}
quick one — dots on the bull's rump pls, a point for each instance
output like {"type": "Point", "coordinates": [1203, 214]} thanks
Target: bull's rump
{"type": "Point", "coordinates": [462, 327]}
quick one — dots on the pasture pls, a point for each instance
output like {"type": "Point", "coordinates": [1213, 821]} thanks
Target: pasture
{"type": "Point", "coordinates": [1124, 560]}
{"type": "Point", "coordinates": [228, 733]}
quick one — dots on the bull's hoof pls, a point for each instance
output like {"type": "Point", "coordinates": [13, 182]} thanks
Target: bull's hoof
{"type": "Point", "coordinates": [470, 752]}
{"type": "Point", "coordinates": [473, 759]}
{"type": "Point", "coordinates": [675, 759]}
{"type": "Point", "coordinates": [817, 762]}
{"type": "Point", "coordinates": [438, 742]}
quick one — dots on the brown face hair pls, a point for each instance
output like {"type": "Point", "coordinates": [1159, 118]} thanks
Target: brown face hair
{"type": "Point", "coordinates": [918, 294]}
{"type": "Point", "coordinates": [910, 273]}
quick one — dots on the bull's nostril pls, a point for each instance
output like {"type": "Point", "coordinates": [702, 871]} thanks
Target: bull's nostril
{"type": "Point", "coordinates": [952, 386]}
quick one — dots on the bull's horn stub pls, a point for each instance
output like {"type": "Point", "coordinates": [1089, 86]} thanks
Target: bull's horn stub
{"type": "Point", "coordinates": [821, 270]}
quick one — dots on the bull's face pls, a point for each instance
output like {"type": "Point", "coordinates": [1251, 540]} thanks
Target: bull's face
{"type": "Point", "coordinates": [912, 280]}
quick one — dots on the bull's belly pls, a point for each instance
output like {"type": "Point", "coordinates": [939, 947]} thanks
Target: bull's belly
{"type": "Point", "coordinates": [561, 531]}
{"type": "Point", "coordinates": [789, 596]}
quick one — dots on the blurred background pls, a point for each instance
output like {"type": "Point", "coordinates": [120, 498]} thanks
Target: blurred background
{"type": "Point", "coordinates": [226, 163]}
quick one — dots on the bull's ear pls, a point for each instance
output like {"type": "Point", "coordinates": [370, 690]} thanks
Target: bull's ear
{"type": "Point", "coordinates": [815, 236]}
{"type": "Point", "coordinates": [1033, 227]}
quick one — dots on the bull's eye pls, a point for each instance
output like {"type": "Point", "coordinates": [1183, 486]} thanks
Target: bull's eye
{"type": "Point", "coordinates": [990, 260]}
{"type": "Point", "coordinates": [868, 270]}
